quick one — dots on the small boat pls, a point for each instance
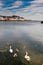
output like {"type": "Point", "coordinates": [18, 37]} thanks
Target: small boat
{"type": "Point", "coordinates": [41, 21]}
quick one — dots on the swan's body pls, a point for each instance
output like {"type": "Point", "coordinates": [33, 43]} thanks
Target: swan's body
{"type": "Point", "coordinates": [11, 50]}
{"type": "Point", "coordinates": [15, 55]}
{"type": "Point", "coordinates": [17, 50]}
{"type": "Point", "coordinates": [27, 57]}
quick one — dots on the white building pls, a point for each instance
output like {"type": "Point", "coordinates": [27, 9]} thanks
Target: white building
{"type": "Point", "coordinates": [1, 18]}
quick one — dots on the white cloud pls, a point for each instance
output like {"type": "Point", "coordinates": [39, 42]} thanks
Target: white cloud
{"type": "Point", "coordinates": [16, 4]}
{"type": "Point", "coordinates": [34, 11]}
{"type": "Point", "coordinates": [1, 4]}
{"type": "Point", "coordinates": [37, 16]}
{"type": "Point", "coordinates": [37, 1]}
{"type": "Point", "coordinates": [5, 12]}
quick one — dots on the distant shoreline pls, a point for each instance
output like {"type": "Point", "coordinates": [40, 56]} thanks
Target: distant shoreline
{"type": "Point", "coordinates": [14, 20]}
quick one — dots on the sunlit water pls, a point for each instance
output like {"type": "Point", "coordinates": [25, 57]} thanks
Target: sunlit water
{"type": "Point", "coordinates": [25, 33]}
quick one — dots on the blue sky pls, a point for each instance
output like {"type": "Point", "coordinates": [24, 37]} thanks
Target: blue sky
{"type": "Point", "coordinates": [29, 9]}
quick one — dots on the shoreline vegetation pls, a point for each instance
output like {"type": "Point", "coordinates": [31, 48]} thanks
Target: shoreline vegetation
{"type": "Point", "coordinates": [12, 18]}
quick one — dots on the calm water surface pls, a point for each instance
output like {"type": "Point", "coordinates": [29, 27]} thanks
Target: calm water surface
{"type": "Point", "coordinates": [30, 33]}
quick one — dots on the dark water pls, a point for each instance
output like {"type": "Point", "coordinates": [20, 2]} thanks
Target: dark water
{"type": "Point", "coordinates": [23, 34]}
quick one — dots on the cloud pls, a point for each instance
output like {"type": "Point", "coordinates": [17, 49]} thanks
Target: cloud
{"type": "Point", "coordinates": [5, 12]}
{"type": "Point", "coordinates": [33, 11]}
{"type": "Point", "coordinates": [1, 4]}
{"type": "Point", "coordinates": [38, 1]}
{"type": "Point", "coordinates": [16, 4]}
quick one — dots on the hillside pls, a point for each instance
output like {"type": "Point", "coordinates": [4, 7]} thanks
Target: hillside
{"type": "Point", "coordinates": [11, 18]}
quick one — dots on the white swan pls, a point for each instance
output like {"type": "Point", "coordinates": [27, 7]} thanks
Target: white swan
{"type": "Point", "coordinates": [11, 50]}
{"type": "Point", "coordinates": [15, 55]}
{"type": "Point", "coordinates": [27, 57]}
{"type": "Point", "coordinates": [17, 50]}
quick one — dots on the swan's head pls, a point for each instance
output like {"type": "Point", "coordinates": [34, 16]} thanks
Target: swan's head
{"type": "Point", "coordinates": [26, 53]}
{"type": "Point", "coordinates": [10, 47]}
